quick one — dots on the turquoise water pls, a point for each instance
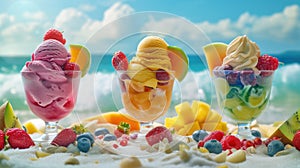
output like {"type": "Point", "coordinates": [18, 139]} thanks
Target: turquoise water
{"type": "Point", "coordinates": [98, 93]}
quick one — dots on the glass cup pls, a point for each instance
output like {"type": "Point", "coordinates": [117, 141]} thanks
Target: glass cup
{"type": "Point", "coordinates": [144, 97]}
{"type": "Point", "coordinates": [243, 95]}
{"type": "Point", "coordinates": [51, 96]}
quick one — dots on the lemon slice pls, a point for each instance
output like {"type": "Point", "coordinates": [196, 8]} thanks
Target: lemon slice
{"type": "Point", "coordinates": [81, 56]}
{"type": "Point", "coordinates": [222, 86]}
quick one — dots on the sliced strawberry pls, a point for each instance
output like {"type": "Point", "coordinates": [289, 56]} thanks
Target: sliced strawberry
{"type": "Point", "coordinates": [18, 138]}
{"type": "Point", "coordinates": [65, 137]}
{"type": "Point", "coordinates": [157, 134]}
{"type": "Point", "coordinates": [119, 61]}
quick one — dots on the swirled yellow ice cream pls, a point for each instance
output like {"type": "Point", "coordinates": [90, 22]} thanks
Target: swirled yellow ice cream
{"type": "Point", "coordinates": [152, 53]}
{"type": "Point", "coordinates": [242, 53]}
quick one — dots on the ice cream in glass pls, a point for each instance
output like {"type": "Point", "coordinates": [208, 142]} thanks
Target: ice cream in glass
{"type": "Point", "coordinates": [243, 81]}
{"type": "Point", "coordinates": [147, 80]}
{"type": "Point", "coordinates": [51, 83]}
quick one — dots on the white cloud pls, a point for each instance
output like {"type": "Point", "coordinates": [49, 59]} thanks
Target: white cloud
{"type": "Point", "coordinates": [6, 19]}
{"type": "Point", "coordinates": [34, 15]}
{"type": "Point", "coordinates": [279, 26]}
{"type": "Point", "coordinates": [116, 11]}
{"type": "Point", "coordinates": [87, 7]}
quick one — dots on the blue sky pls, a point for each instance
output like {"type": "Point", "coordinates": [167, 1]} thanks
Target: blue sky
{"type": "Point", "coordinates": [274, 26]}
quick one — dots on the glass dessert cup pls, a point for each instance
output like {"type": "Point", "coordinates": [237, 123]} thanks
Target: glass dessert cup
{"type": "Point", "coordinates": [143, 102]}
{"type": "Point", "coordinates": [242, 96]}
{"type": "Point", "coordinates": [51, 96]}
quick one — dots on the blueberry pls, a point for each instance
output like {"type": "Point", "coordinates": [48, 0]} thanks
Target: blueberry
{"type": "Point", "coordinates": [213, 146]}
{"type": "Point", "coordinates": [233, 78]}
{"type": "Point", "coordinates": [248, 77]}
{"type": "Point", "coordinates": [256, 133]}
{"type": "Point", "coordinates": [101, 131]}
{"type": "Point", "coordinates": [109, 137]}
{"type": "Point", "coordinates": [86, 135]}
{"type": "Point", "coordinates": [199, 135]}
{"type": "Point", "coordinates": [274, 147]}
{"type": "Point", "coordinates": [84, 144]}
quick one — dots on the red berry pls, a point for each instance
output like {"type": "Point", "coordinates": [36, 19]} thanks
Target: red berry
{"type": "Point", "coordinates": [118, 133]}
{"type": "Point", "coordinates": [115, 146]}
{"type": "Point", "coordinates": [64, 138]}
{"type": "Point", "coordinates": [162, 76]}
{"type": "Point", "coordinates": [123, 142]}
{"type": "Point", "coordinates": [257, 141]}
{"type": "Point", "coordinates": [18, 138]}
{"type": "Point", "coordinates": [201, 144]}
{"type": "Point", "coordinates": [119, 61]}
{"type": "Point", "coordinates": [54, 34]}
{"type": "Point", "coordinates": [267, 141]}
{"type": "Point", "coordinates": [296, 140]}
{"type": "Point", "coordinates": [247, 143]}
{"type": "Point", "coordinates": [69, 68]}
{"type": "Point", "coordinates": [2, 139]}
{"type": "Point", "coordinates": [267, 62]}
{"type": "Point", "coordinates": [217, 135]}
{"type": "Point", "coordinates": [157, 134]}
{"type": "Point", "coordinates": [231, 141]}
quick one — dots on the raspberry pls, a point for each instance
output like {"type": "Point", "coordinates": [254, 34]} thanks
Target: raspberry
{"type": "Point", "coordinates": [247, 143]}
{"type": "Point", "coordinates": [54, 34]}
{"type": "Point", "coordinates": [296, 140]}
{"type": "Point", "coordinates": [230, 141]}
{"type": "Point", "coordinates": [267, 62]}
{"type": "Point", "coordinates": [157, 134]}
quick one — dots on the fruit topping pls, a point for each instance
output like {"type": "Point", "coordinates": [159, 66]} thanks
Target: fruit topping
{"type": "Point", "coordinates": [179, 61]}
{"type": "Point", "coordinates": [213, 146]}
{"type": "Point", "coordinates": [64, 137]}
{"type": "Point", "coordinates": [267, 62]}
{"type": "Point", "coordinates": [248, 77]}
{"type": "Point", "coordinates": [296, 140]}
{"type": "Point", "coordinates": [18, 138]}
{"type": "Point", "coordinates": [124, 127]}
{"type": "Point", "coordinates": [274, 147]}
{"type": "Point", "coordinates": [54, 34]}
{"type": "Point", "coordinates": [81, 56]}
{"type": "Point", "coordinates": [157, 134]}
{"type": "Point", "coordinates": [199, 135]}
{"type": "Point", "coordinates": [162, 76]}
{"type": "Point", "coordinates": [119, 61]}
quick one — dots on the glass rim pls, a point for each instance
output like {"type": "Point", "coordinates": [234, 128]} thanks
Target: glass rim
{"type": "Point", "coordinates": [245, 70]}
{"type": "Point", "coordinates": [52, 71]}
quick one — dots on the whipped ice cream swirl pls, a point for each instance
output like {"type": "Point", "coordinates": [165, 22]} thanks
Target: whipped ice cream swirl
{"type": "Point", "coordinates": [242, 53]}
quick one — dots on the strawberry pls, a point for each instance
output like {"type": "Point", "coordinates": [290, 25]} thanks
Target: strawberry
{"type": "Point", "coordinates": [217, 135]}
{"type": "Point", "coordinates": [18, 138]}
{"type": "Point", "coordinates": [231, 141]}
{"type": "Point", "coordinates": [157, 134]}
{"type": "Point", "coordinates": [2, 139]}
{"type": "Point", "coordinates": [122, 128]}
{"type": "Point", "coordinates": [296, 140]}
{"type": "Point", "coordinates": [119, 61]}
{"type": "Point", "coordinates": [65, 137]}
{"type": "Point", "coordinates": [54, 34]}
{"type": "Point", "coordinates": [267, 62]}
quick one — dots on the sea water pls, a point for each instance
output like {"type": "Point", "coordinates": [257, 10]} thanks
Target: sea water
{"type": "Point", "coordinates": [99, 93]}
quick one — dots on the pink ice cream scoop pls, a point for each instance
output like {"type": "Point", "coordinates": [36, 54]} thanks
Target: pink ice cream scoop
{"type": "Point", "coordinates": [50, 90]}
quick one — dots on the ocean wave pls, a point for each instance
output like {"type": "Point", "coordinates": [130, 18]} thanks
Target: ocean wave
{"type": "Point", "coordinates": [99, 93]}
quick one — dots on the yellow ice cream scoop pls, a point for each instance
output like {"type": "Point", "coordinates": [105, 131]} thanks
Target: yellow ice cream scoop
{"type": "Point", "coordinates": [152, 42]}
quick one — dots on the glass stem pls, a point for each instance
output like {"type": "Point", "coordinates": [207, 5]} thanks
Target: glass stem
{"type": "Point", "coordinates": [50, 130]}
{"type": "Point", "coordinates": [244, 131]}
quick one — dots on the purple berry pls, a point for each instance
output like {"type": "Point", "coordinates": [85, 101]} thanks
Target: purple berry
{"type": "Point", "coordinates": [233, 78]}
{"type": "Point", "coordinates": [221, 71]}
{"type": "Point", "coordinates": [247, 77]}
{"type": "Point", "coordinates": [162, 75]}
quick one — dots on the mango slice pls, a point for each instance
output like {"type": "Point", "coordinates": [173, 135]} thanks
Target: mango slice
{"type": "Point", "coordinates": [81, 56]}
